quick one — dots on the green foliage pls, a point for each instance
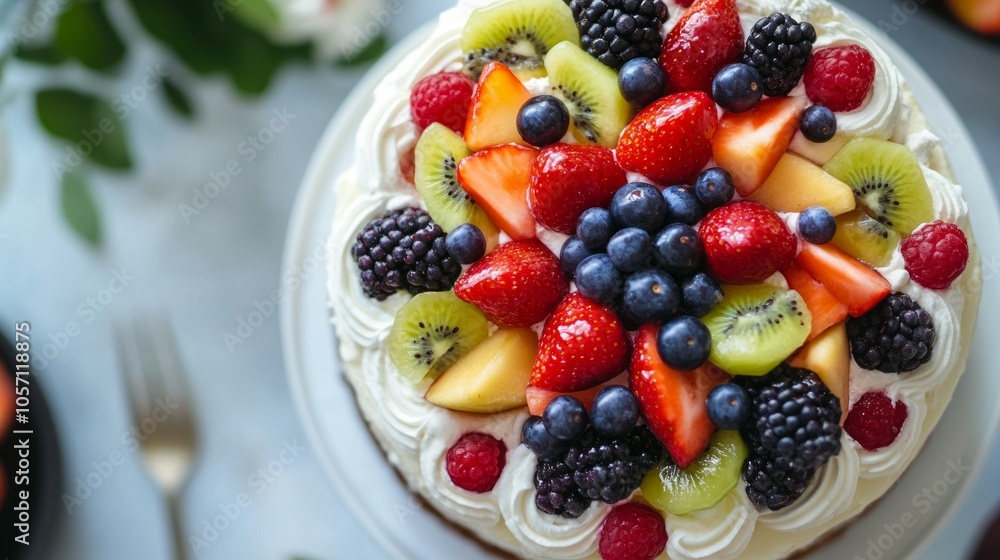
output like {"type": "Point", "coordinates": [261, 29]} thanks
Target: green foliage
{"type": "Point", "coordinates": [83, 32]}
{"type": "Point", "coordinates": [177, 99]}
{"type": "Point", "coordinates": [79, 209]}
{"type": "Point", "coordinates": [372, 52]}
{"type": "Point", "coordinates": [79, 117]}
{"type": "Point", "coordinates": [39, 54]}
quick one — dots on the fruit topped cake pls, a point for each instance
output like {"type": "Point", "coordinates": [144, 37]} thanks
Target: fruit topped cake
{"type": "Point", "coordinates": [636, 279]}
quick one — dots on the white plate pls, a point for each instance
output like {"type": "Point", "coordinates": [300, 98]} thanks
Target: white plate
{"type": "Point", "coordinates": [394, 517]}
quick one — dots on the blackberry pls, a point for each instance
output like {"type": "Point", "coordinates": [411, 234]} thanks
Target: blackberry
{"type": "Point", "coordinates": [403, 250]}
{"type": "Point", "coordinates": [616, 31]}
{"type": "Point", "coordinates": [794, 417]}
{"type": "Point", "coordinates": [779, 48]}
{"type": "Point", "coordinates": [556, 492]}
{"type": "Point", "coordinates": [609, 469]}
{"type": "Point", "coordinates": [771, 485]}
{"type": "Point", "coordinates": [896, 336]}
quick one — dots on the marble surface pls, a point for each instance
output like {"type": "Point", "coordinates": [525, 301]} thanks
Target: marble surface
{"type": "Point", "coordinates": [212, 270]}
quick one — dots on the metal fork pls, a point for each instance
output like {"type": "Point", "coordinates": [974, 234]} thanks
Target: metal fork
{"type": "Point", "coordinates": [161, 409]}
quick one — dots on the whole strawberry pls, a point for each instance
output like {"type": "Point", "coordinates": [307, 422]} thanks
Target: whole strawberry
{"type": "Point", "coordinates": [583, 345]}
{"type": "Point", "coordinates": [671, 140]}
{"type": "Point", "coordinates": [746, 242]}
{"type": "Point", "coordinates": [515, 286]}
{"type": "Point", "coordinates": [568, 179]}
{"type": "Point", "coordinates": [708, 37]}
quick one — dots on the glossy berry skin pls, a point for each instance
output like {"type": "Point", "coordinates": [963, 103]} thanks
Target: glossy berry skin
{"type": "Point", "coordinates": [632, 532]}
{"type": "Point", "coordinates": [683, 205]}
{"type": "Point", "coordinates": [651, 296]}
{"type": "Point", "coordinates": [443, 98]}
{"type": "Point", "coordinates": [936, 255]}
{"type": "Point", "coordinates": [572, 254]}
{"type": "Point", "coordinates": [567, 180]}
{"type": "Point", "coordinates": [466, 244]}
{"type": "Point", "coordinates": [746, 242]}
{"type": "Point", "coordinates": [629, 249]}
{"type": "Point", "coordinates": [476, 461]}
{"type": "Point", "coordinates": [875, 421]}
{"type": "Point", "coordinates": [700, 294]}
{"type": "Point", "coordinates": [639, 205]}
{"type": "Point", "coordinates": [817, 225]}
{"type": "Point", "coordinates": [715, 187]}
{"type": "Point", "coordinates": [818, 124]}
{"type": "Point", "coordinates": [642, 82]}
{"type": "Point", "coordinates": [543, 444]}
{"type": "Point", "coordinates": [840, 77]}
{"type": "Point", "coordinates": [729, 406]}
{"type": "Point", "coordinates": [737, 88]}
{"type": "Point", "coordinates": [543, 120]}
{"type": "Point", "coordinates": [598, 280]}
{"type": "Point", "coordinates": [679, 250]}
{"type": "Point", "coordinates": [684, 343]}
{"type": "Point", "coordinates": [565, 418]}
{"type": "Point", "coordinates": [595, 228]}
{"type": "Point", "coordinates": [615, 411]}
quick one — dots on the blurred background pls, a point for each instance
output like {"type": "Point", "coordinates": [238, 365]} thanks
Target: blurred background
{"type": "Point", "coordinates": [150, 154]}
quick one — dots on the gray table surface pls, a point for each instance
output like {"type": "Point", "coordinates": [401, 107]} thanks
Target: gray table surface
{"type": "Point", "coordinates": [209, 273]}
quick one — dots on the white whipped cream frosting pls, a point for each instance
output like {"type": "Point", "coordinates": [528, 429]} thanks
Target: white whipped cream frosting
{"type": "Point", "coordinates": [416, 435]}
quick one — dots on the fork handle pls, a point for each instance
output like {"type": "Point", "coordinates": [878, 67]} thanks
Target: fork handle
{"type": "Point", "coordinates": [177, 525]}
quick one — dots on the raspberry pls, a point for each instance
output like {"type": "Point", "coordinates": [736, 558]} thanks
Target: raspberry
{"type": "Point", "coordinates": [475, 462]}
{"type": "Point", "coordinates": [874, 421]}
{"type": "Point", "coordinates": [633, 532]}
{"type": "Point", "coordinates": [936, 255]}
{"type": "Point", "coordinates": [443, 98]}
{"type": "Point", "coordinates": [839, 77]}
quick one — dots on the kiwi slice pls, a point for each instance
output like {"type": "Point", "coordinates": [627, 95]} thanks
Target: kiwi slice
{"type": "Point", "coordinates": [436, 159]}
{"type": "Point", "coordinates": [865, 238]}
{"type": "Point", "coordinates": [887, 180]}
{"type": "Point", "coordinates": [518, 34]}
{"type": "Point", "coordinates": [590, 90]}
{"type": "Point", "coordinates": [755, 328]}
{"type": "Point", "coordinates": [432, 331]}
{"type": "Point", "coordinates": [704, 483]}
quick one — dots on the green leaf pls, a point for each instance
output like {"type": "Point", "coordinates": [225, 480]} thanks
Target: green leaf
{"type": "Point", "coordinates": [79, 209]}
{"type": "Point", "coordinates": [259, 14]}
{"type": "Point", "coordinates": [40, 54]}
{"type": "Point", "coordinates": [177, 99]}
{"type": "Point", "coordinates": [84, 32]}
{"type": "Point", "coordinates": [111, 150]}
{"type": "Point", "coordinates": [370, 53]}
{"type": "Point", "coordinates": [87, 122]}
{"type": "Point", "coordinates": [64, 113]}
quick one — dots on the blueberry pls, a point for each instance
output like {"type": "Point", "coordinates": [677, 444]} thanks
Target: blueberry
{"type": "Point", "coordinates": [818, 124]}
{"type": "Point", "coordinates": [595, 228]}
{"type": "Point", "coordinates": [729, 406]}
{"type": "Point", "coordinates": [615, 411]}
{"type": "Point", "coordinates": [684, 343]}
{"type": "Point", "coordinates": [679, 249]}
{"type": "Point", "coordinates": [700, 294]}
{"type": "Point", "coordinates": [629, 249]}
{"type": "Point", "coordinates": [641, 81]}
{"type": "Point", "coordinates": [715, 187]}
{"type": "Point", "coordinates": [543, 120]}
{"type": "Point", "coordinates": [639, 205]}
{"type": "Point", "coordinates": [565, 418]}
{"type": "Point", "coordinates": [466, 244]}
{"type": "Point", "coordinates": [683, 205]}
{"type": "Point", "coordinates": [817, 225]}
{"type": "Point", "coordinates": [598, 280]}
{"type": "Point", "coordinates": [572, 254]}
{"type": "Point", "coordinates": [737, 88]}
{"type": "Point", "coordinates": [540, 442]}
{"type": "Point", "coordinates": [651, 296]}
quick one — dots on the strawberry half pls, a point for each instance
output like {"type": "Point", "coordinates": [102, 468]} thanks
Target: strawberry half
{"type": "Point", "coordinates": [673, 401]}
{"type": "Point", "coordinates": [671, 140]}
{"type": "Point", "coordinates": [497, 179]}
{"type": "Point", "coordinates": [567, 179]}
{"type": "Point", "coordinates": [493, 111]}
{"type": "Point", "coordinates": [582, 345]}
{"type": "Point", "coordinates": [706, 38]}
{"type": "Point", "coordinates": [515, 286]}
{"type": "Point", "coordinates": [826, 310]}
{"type": "Point", "coordinates": [852, 282]}
{"type": "Point", "coordinates": [746, 242]}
